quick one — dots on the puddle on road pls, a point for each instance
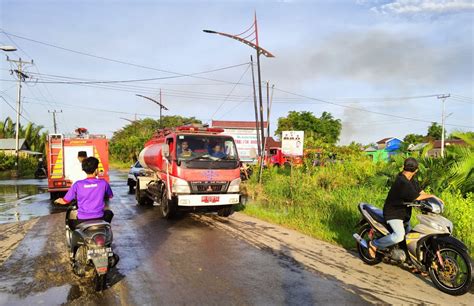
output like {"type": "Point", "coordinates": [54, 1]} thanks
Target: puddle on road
{"type": "Point", "coordinates": [23, 199]}
{"type": "Point", "coordinates": [52, 296]}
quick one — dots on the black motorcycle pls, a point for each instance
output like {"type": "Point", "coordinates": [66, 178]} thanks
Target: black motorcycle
{"type": "Point", "coordinates": [90, 248]}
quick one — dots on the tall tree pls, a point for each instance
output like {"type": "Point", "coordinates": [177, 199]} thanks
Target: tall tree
{"type": "Point", "coordinates": [413, 138]}
{"type": "Point", "coordinates": [325, 128]}
{"type": "Point", "coordinates": [435, 131]}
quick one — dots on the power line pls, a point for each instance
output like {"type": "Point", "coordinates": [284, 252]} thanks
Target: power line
{"type": "Point", "coordinates": [37, 69]}
{"type": "Point", "coordinates": [81, 107]}
{"type": "Point", "coordinates": [364, 110]}
{"type": "Point", "coordinates": [110, 59]}
{"type": "Point", "coordinates": [230, 92]}
{"type": "Point", "coordinates": [141, 80]}
{"type": "Point", "coordinates": [13, 108]}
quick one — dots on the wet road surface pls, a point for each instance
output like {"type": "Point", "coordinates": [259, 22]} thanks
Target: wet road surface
{"type": "Point", "coordinates": [184, 261]}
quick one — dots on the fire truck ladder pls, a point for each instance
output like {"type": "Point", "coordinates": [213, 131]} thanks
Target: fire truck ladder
{"type": "Point", "coordinates": [56, 156]}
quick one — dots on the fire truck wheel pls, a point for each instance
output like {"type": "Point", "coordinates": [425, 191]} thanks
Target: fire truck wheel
{"type": "Point", "coordinates": [168, 208]}
{"type": "Point", "coordinates": [226, 211]}
{"type": "Point", "coordinates": [142, 198]}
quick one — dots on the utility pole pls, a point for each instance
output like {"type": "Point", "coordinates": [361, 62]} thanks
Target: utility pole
{"type": "Point", "coordinates": [443, 119]}
{"type": "Point", "coordinates": [54, 112]}
{"type": "Point", "coordinates": [21, 78]}
{"type": "Point", "coordinates": [257, 127]}
{"type": "Point", "coordinates": [162, 107]}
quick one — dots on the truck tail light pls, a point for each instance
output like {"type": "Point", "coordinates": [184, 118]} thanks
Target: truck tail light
{"type": "Point", "coordinates": [59, 184]}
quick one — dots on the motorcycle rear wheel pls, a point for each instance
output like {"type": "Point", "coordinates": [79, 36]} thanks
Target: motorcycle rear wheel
{"type": "Point", "coordinates": [100, 282]}
{"type": "Point", "coordinates": [456, 276]}
{"type": "Point", "coordinates": [364, 252]}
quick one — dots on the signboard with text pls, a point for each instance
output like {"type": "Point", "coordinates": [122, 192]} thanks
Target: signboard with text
{"type": "Point", "coordinates": [245, 140]}
{"type": "Point", "coordinates": [292, 143]}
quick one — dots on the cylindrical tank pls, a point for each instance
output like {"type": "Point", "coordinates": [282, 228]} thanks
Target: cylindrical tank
{"type": "Point", "coordinates": [150, 157]}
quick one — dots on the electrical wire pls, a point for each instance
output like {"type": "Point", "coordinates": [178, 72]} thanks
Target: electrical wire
{"type": "Point", "coordinates": [21, 115]}
{"type": "Point", "coordinates": [365, 110]}
{"type": "Point", "coordinates": [232, 90]}
{"type": "Point", "coordinates": [193, 75]}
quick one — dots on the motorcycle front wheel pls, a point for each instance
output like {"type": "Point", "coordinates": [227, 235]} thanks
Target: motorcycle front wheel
{"type": "Point", "coordinates": [454, 277]}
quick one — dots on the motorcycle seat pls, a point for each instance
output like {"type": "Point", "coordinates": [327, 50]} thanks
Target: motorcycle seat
{"type": "Point", "coordinates": [84, 225]}
{"type": "Point", "coordinates": [376, 213]}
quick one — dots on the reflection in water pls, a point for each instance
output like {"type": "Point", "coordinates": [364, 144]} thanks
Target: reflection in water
{"type": "Point", "coordinates": [10, 193]}
{"type": "Point", "coordinates": [24, 199]}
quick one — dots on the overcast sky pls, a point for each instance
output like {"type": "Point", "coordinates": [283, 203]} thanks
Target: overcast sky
{"type": "Point", "coordinates": [358, 57]}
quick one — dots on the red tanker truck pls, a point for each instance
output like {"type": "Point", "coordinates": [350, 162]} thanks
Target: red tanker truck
{"type": "Point", "coordinates": [191, 168]}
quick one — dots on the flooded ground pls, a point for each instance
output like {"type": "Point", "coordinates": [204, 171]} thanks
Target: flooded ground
{"type": "Point", "coordinates": [23, 199]}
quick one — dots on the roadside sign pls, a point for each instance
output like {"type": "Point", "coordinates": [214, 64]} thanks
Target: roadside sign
{"type": "Point", "coordinates": [292, 143]}
{"type": "Point", "coordinates": [245, 141]}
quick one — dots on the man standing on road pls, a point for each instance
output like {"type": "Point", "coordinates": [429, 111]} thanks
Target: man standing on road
{"type": "Point", "coordinates": [77, 173]}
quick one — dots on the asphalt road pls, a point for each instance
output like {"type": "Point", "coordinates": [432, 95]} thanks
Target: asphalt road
{"type": "Point", "coordinates": [185, 261]}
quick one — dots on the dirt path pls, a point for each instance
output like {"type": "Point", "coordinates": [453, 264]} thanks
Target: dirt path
{"type": "Point", "coordinates": [383, 283]}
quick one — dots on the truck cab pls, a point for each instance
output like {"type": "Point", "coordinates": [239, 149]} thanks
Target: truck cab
{"type": "Point", "coordinates": [190, 168]}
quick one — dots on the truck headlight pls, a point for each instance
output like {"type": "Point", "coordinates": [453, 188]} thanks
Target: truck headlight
{"type": "Point", "coordinates": [234, 186]}
{"type": "Point", "coordinates": [180, 186]}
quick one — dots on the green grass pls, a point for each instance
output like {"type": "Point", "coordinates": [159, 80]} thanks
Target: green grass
{"type": "Point", "coordinates": [119, 165]}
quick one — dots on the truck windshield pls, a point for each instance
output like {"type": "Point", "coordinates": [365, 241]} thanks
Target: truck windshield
{"type": "Point", "coordinates": [204, 152]}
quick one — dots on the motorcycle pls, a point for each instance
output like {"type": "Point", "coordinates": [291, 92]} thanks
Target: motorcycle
{"type": "Point", "coordinates": [429, 246]}
{"type": "Point", "coordinates": [90, 248]}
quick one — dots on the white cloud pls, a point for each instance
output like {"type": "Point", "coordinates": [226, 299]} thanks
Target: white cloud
{"type": "Point", "coordinates": [425, 7]}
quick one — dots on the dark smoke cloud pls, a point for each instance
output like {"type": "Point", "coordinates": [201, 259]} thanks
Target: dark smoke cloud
{"type": "Point", "coordinates": [377, 57]}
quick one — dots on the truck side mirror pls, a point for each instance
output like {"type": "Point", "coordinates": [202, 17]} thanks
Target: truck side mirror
{"type": "Point", "coordinates": [253, 153]}
{"type": "Point", "coordinates": [165, 150]}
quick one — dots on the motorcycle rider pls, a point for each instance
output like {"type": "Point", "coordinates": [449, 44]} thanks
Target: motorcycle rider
{"type": "Point", "coordinates": [396, 213]}
{"type": "Point", "coordinates": [91, 194]}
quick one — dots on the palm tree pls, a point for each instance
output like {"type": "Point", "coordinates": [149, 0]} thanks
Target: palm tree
{"type": "Point", "coordinates": [31, 132]}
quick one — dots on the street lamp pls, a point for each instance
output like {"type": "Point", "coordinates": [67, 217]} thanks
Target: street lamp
{"type": "Point", "coordinates": [250, 42]}
{"type": "Point", "coordinates": [7, 48]}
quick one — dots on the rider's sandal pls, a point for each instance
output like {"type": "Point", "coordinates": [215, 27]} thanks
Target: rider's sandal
{"type": "Point", "coordinates": [422, 273]}
{"type": "Point", "coordinates": [372, 250]}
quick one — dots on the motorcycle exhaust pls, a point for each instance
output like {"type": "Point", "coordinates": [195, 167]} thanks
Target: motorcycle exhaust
{"type": "Point", "coordinates": [360, 241]}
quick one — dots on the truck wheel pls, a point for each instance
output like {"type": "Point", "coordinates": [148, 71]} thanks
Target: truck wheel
{"type": "Point", "coordinates": [142, 197]}
{"type": "Point", "coordinates": [168, 208]}
{"type": "Point", "coordinates": [226, 211]}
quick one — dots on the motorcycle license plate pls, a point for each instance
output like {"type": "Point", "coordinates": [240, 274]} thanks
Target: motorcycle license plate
{"type": "Point", "coordinates": [101, 251]}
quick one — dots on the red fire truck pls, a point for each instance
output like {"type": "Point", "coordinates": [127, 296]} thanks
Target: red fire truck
{"type": "Point", "coordinates": [63, 165]}
{"type": "Point", "coordinates": [192, 168]}
{"type": "Point", "coordinates": [275, 157]}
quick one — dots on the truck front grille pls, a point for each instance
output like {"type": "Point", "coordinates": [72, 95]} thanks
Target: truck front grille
{"type": "Point", "coordinates": [209, 187]}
